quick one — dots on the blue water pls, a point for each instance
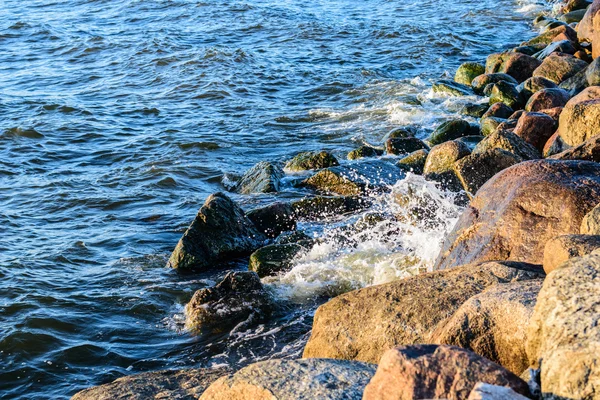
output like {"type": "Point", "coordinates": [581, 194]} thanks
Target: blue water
{"type": "Point", "coordinates": [117, 119]}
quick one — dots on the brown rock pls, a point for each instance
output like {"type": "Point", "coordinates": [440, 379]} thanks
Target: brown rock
{"type": "Point", "coordinates": [563, 32]}
{"type": "Point", "coordinates": [585, 28]}
{"type": "Point", "coordinates": [588, 150]}
{"type": "Point", "coordinates": [565, 247]}
{"type": "Point", "coordinates": [518, 65]}
{"type": "Point", "coordinates": [591, 222]}
{"type": "Point", "coordinates": [439, 165]}
{"type": "Point", "coordinates": [499, 110]}
{"type": "Point", "coordinates": [475, 170]}
{"type": "Point", "coordinates": [580, 119]}
{"type": "Point", "coordinates": [553, 146]}
{"type": "Point", "coordinates": [362, 324]}
{"type": "Point", "coordinates": [516, 212]}
{"type": "Point", "coordinates": [547, 98]}
{"type": "Point", "coordinates": [554, 113]}
{"type": "Point", "coordinates": [535, 129]}
{"type": "Point", "coordinates": [482, 81]}
{"type": "Point", "coordinates": [429, 371]}
{"type": "Point", "coordinates": [559, 67]}
{"type": "Point", "coordinates": [485, 391]}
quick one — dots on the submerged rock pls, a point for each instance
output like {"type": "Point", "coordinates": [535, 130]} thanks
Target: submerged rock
{"type": "Point", "coordinates": [309, 160]}
{"type": "Point", "coordinates": [565, 247]}
{"type": "Point", "coordinates": [274, 259]}
{"type": "Point", "coordinates": [264, 177]}
{"type": "Point", "coordinates": [428, 371]}
{"type": "Point", "coordinates": [273, 219]}
{"type": "Point", "coordinates": [221, 231]}
{"type": "Point", "coordinates": [294, 379]}
{"type": "Point", "coordinates": [468, 71]}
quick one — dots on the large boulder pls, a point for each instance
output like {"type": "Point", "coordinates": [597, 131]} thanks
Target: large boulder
{"type": "Point", "coordinates": [468, 71]}
{"type": "Point", "coordinates": [311, 160]}
{"type": "Point", "coordinates": [294, 379]}
{"type": "Point", "coordinates": [506, 93]}
{"type": "Point", "coordinates": [357, 178]}
{"type": "Point", "coordinates": [510, 142]}
{"type": "Point", "coordinates": [585, 28]}
{"type": "Point", "coordinates": [565, 247]}
{"type": "Point", "coordinates": [534, 85]}
{"type": "Point", "coordinates": [580, 118]}
{"type": "Point", "coordinates": [430, 371]}
{"type": "Point", "coordinates": [221, 231]}
{"type": "Point", "coordinates": [499, 110]}
{"type": "Point", "coordinates": [449, 130]}
{"type": "Point", "coordinates": [186, 384]}
{"type": "Point", "coordinates": [363, 324]}
{"type": "Point", "coordinates": [588, 150]}
{"type": "Point", "coordinates": [274, 259]}
{"type": "Point", "coordinates": [559, 67]}
{"type": "Point", "coordinates": [238, 300]}
{"type": "Point", "coordinates": [517, 211]}
{"type": "Point", "coordinates": [492, 324]}
{"type": "Point", "coordinates": [476, 169]}
{"type": "Point", "coordinates": [264, 177]}
{"type": "Point", "coordinates": [535, 128]}
{"type": "Point", "coordinates": [564, 331]}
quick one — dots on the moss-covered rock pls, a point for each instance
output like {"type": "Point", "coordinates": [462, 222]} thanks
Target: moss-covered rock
{"type": "Point", "coordinates": [439, 165]}
{"type": "Point", "coordinates": [309, 160]}
{"type": "Point", "coordinates": [273, 259]}
{"type": "Point", "coordinates": [414, 162]}
{"type": "Point", "coordinates": [452, 88]}
{"type": "Point", "coordinates": [449, 130]}
{"type": "Point", "coordinates": [484, 80]}
{"type": "Point", "coordinates": [474, 110]}
{"type": "Point", "coordinates": [363, 152]}
{"type": "Point", "coordinates": [468, 71]}
{"type": "Point", "coordinates": [507, 93]}
{"type": "Point", "coordinates": [490, 124]}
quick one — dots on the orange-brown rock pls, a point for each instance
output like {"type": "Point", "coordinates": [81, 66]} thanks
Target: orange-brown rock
{"type": "Point", "coordinates": [535, 128]}
{"type": "Point", "coordinates": [565, 247]}
{"type": "Point", "coordinates": [547, 98]}
{"type": "Point", "coordinates": [585, 28]}
{"type": "Point", "coordinates": [559, 67]}
{"type": "Point", "coordinates": [588, 150]}
{"type": "Point", "coordinates": [580, 118]}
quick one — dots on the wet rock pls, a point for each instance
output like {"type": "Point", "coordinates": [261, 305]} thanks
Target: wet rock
{"type": "Point", "coordinates": [588, 150]}
{"type": "Point", "coordinates": [449, 130]}
{"type": "Point", "coordinates": [414, 162]}
{"type": "Point", "coordinates": [565, 247]}
{"type": "Point", "coordinates": [402, 132]}
{"type": "Point", "coordinates": [535, 84]}
{"type": "Point", "coordinates": [490, 125]}
{"type": "Point", "coordinates": [295, 237]}
{"type": "Point", "coordinates": [220, 231]}
{"type": "Point", "coordinates": [185, 384]}
{"type": "Point", "coordinates": [585, 29]}
{"type": "Point", "coordinates": [309, 160]}
{"type": "Point", "coordinates": [264, 177]}
{"type": "Point", "coordinates": [573, 16]}
{"type": "Point", "coordinates": [404, 145]}
{"type": "Point", "coordinates": [364, 151]}
{"type": "Point", "coordinates": [474, 110]}
{"type": "Point", "coordinates": [558, 33]}
{"type": "Point", "coordinates": [468, 71]}
{"type": "Point", "coordinates": [535, 129]}
{"type": "Point", "coordinates": [559, 67]}
{"type": "Point", "coordinates": [515, 213]}
{"type": "Point", "coordinates": [518, 65]}
{"type": "Point", "coordinates": [485, 391]}
{"type": "Point", "coordinates": [553, 146]}
{"type": "Point", "coordinates": [499, 110]}
{"type": "Point", "coordinates": [356, 178]}
{"type": "Point", "coordinates": [238, 300]}
{"type": "Point", "coordinates": [529, 50]}
{"type": "Point", "coordinates": [452, 88]}
{"type": "Point", "coordinates": [562, 46]}
{"type": "Point", "coordinates": [510, 142]}
{"type": "Point", "coordinates": [294, 379]}
{"type": "Point", "coordinates": [482, 81]}
{"type": "Point", "coordinates": [507, 93]}
{"type": "Point", "coordinates": [547, 98]}
{"type": "Point", "coordinates": [428, 371]}
{"type": "Point", "coordinates": [563, 336]}
{"type": "Point", "coordinates": [580, 119]}
{"type": "Point", "coordinates": [493, 324]}
{"type": "Point", "coordinates": [575, 84]}
{"type": "Point", "coordinates": [320, 207]}
{"type": "Point", "coordinates": [573, 5]}
{"type": "Point", "coordinates": [553, 113]}
{"type": "Point", "coordinates": [439, 165]}
{"type": "Point", "coordinates": [592, 73]}
{"type": "Point", "coordinates": [590, 225]}
{"type": "Point", "coordinates": [470, 141]}
{"type": "Point", "coordinates": [476, 169]}
{"type": "Point", "coordinates": [363, 324]}
{"type": "Point", "coordinates": [274, 259]}
{"type": "Point", "coordinates": [273, 219]}
{"type": "Point", "coordinates": [516, 115]}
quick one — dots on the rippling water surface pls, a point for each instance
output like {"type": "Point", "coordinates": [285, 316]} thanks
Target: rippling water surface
{"type": "Point", "coordinates": [118, 118]}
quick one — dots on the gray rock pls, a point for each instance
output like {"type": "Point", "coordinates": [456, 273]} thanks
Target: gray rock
{"type": "Point", "coordinates": [274, 259]}
{"type": "Point", "coordinates": [449, 130]}
{"type": "Point", "coordinates": [475, 170]}
{"type": "Point", "coordinates": [264, 177]}
{"type": "Point", "coordinates": [404, 145]}
{"type": "Point", "coordinates": [273, 219]}
{"type": "Point", "coordinates": [319, 207]}
{"type": "Point", "coordinates": [309, 160]}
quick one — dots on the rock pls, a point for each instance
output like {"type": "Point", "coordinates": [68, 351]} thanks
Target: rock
{"type": "Point", "coordinates": [295, 237]}
{"type": "Point", "coordinates": [452, 88]}
{"type": "Point", "coordinates": [402, 132]}
{"type": "Point", "coordinates": [588, 151]}
{"type": "Point", "coordinates": [518, 65]}
{"type": "Point", "coordinates": [467, 72]}
{"type": "Point", "coordinates": [506, 93]}
{"type": "Point", "coordinates": [238, 300]}
{"type": "Point", "coordinates": [476, 169]}
{"type": "Point", "coordinates": [430, 371]}
{"type": "Point", "coordinates": [264, 177]}
{"type": "Point", "coordinates": [580, 119]}
{"type": "Point", "coordinates": [414, 162]}
{"type": "Point", "coordinates": [516, 115]}
{"type": "Point", "coordinates": [499, 110]}
{"type": "Point", "coordinates": [535, 129]}
{"type": "Point", "coordinates": [591, 222]}
{"type": "Point", "coordinates": [592, 73]}
{"type": "Point", "coordinates": [273, 259]}
{"type": "Point", "coordinates": [553, 113]}
{"type": "Point", "coordinates": [585, 29]}
{"type": "Point", "coordinates": [439, 165]}
{"type": "Point", "coordinates": [573, 16]}
{"type": "Point", "coordinates": [562, 46]}
{"type": "Point", "coordinates": [482, 81]}
{"type": "Point", "coordinates": [273, 219]}
{"type": "Point", "coordinates": [356, 178]}
{"type": "Point", "coordinates": [485, 391]}
{"type": "Point", "coordinates": [575, 84]}
{"type": "Point", "coordinates": [516, 212]}
{"type": "Point", "coordinates": [364, 151]}
{"type": "Point", "coordinates": [219, 232]}
{"type": "Point", "coordinates": [493, 324]}
{"type": "Point", "coordinates": [558, 33]}
{"type": "Point", "coordinates": [404, 145]}
{"type": "Point", "coordinates": [553, 146]}
{"type": "Point", "coordinates": [547, 98]}
{"type": "Point", "coordinates": [510, 142]}
{"type": "Point", "coordinates": [363, 324]}
{"type": "Point", "coordinates": [474, 110]}
{"type": "Point", "coordinates": [565, 247]}
{"type": "Point", "coordinates": [470, 141]}
{"type": "Point", "coordinates": [573, 5]}
{"type": "Point", "coordinates": [309, 160]}
{"type": "Point", "coordinates": [559, 67]}
{"type": "Point", "coordinates": [535, 84]}
{"type": "Point", "coordinates": [449, 130]}
{"type": "Point", "coordinates": [294, 379]}
{"type": "Point", "coordinates": [563, 336]}
{"type": "Point", "coordinates": [319, 207]}
{"type": "Point", "coordinates": [490, 125]}
{"type": "Point", "coordinates": [185, 384]}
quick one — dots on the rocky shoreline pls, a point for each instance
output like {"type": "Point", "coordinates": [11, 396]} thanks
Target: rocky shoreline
{"type": "Point", "coordinates": [511, 309]}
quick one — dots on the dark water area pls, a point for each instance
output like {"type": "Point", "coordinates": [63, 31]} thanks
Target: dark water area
{"type": "Point", "coordinates": [118, 118]}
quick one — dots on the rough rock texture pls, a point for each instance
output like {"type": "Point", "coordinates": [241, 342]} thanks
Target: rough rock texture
{"type": "Point", "coordinates": [506, 93]}
{"type": "Point", "coordinates": [475, 170]}
{"type": "Point", "coordinates": [580, 119]}
{"type": "Point", "coordinates": [565, 247]}
{"type": "Point", "coordinates": [585, 29]}
{"type": "Point", "coordinates": [517, 211]}
{"type": "Point", "coordinates": [482, 81]}
{"type": "Point", "coordinates": [560, 46]}
{"type": "Point", "coordinates": [362, 324]}
{"type": "Point", "coordinates": [535, 128]}
{"type": "Point", "coordinates": [294, 379]}
{"type": "Point", "coordinates": [590, 225]}
{"type": "Point", "coordinates": [273, 219]}
{"type": "Point", "coordinates": [559, 67]}
{"type": "Point", "coordinates": [435, 372]}
{"type": "Point", "coordinates": [547, 98]}
{"type": "Point", "coordinates": [364, 151]}
{"type": "Point", "coordinates": [319, 207]}
{"type": "Point", "coordinates": [186, 384]}
{"type": "Point", "coordinates": [452, 88]}
{"type": "Point", "coordinates": [468, 71]}
{"type": "Point", "coordinates": [414, 162]}
{"type": "Point", "coordinates": [588, 150]}
{"type": "Point", "coordinates": [534, 85]}
{"type": "Point", "coordinates": [473, 110]}
{"type": "Point", "coordinates": [238, 299]}
{"type": "Point", "coordinates": [219, 232]}
{"type": "Point", "coordinates": [404, 145]}
{"type": "Point", "coordinates": [561, 32]}
{"type": "Point", "coordinates": [439, 165]}
{"type": "Point", "coordinates": [510, 142]}
{"type": "Point", "coordinates": [493, 323]}
{"type": "Point", "coordinates": [449, 130]}
{"type": "Point", "coordinates": [311, 160]}
{"type": "Point", "coordinates": [564, 331]}
{"type": "Point", "coordinates": [357, 178]}
{"type": "Point", "coordinates": [490, 124]}
{"type": "Point", "coordinates": [273, 259]}
{"type": "Point", "coordinates": [264, 177]}
{"type": "Point", "coordinates": [518, 65]}
{"type": "Point", "coordinates": [499, 110]}
{"type": "Point", "coordinates": [485, 391]}
{"type": "Point", "coordinates": [553, 146]}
